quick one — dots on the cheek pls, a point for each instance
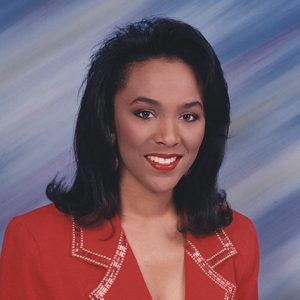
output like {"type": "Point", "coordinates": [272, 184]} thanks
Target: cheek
{"type": "Point", "coordinates": [130, 135]}
{"type": "Point", "coordinates": [194, 139]}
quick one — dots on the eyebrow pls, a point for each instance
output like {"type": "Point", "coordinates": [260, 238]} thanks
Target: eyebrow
{"type": "Point", "coordinates": [153, 102]}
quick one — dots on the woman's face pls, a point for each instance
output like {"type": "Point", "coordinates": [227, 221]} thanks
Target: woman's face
{"type": "Point", "coordinates": [159, 122]}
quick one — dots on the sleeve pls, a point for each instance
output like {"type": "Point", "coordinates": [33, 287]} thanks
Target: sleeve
{"type": "Point", "coordinates": [248, 283]}
{"type": "Point", "coordinates": [20, 269]}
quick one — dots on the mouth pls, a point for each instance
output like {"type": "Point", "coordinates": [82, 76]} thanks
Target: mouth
{"type": "Point", "coordinates": [163, 162]}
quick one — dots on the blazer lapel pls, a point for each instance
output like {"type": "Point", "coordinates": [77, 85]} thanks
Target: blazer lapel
{"type": "Point", "coordinates": [108, 248]}
{"type": "Point", "coordinates": [203, 256]}
{"type": "Point", "coordinates": [129, 283]}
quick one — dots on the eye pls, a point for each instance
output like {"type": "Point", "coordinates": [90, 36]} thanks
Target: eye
{"type": "Point", "coordinates": [189, 117]}
{"type": "Point", "coordinates": [144, 114]}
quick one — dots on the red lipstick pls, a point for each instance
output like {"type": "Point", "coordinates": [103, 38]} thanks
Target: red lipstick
{"type": "Point", "coordinates": [163, 161]}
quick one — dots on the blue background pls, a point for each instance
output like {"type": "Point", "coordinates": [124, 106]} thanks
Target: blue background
{"type": "Point", "coordinates": [44, 52]}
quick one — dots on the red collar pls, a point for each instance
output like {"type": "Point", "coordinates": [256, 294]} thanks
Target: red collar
{"type": "Point", "coordinates": [203, 259]}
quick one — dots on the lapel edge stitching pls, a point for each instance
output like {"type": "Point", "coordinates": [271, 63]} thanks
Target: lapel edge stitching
{"type": "Point", "coordinates": [227, 251]}
{"type": "Point", "coordinates": [84, 254]}
{"type": "Point", "coordinates": [208, 270]}
{"type": "Point", "coordinates": [113, 270]}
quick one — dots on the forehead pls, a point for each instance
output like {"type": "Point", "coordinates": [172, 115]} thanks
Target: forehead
{"type": "Point", "coordinates": [160, 78]}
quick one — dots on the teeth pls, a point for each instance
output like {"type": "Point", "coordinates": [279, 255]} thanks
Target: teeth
{"type": "Point", "coordinates": [162, 161]}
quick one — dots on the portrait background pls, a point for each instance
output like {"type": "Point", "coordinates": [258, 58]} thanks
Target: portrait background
{"type": "Point", "coordinates": [44, 54]}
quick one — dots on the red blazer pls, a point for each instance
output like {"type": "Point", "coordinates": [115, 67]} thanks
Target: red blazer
{"type": "Point", "coordinates": [46, 255]}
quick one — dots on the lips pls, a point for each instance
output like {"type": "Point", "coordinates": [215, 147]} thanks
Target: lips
{"type": "Point", "coordinates": [163, 161]}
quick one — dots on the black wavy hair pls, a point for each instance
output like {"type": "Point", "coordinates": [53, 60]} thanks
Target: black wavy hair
{"type": "Point", "coordinates": [94, 195]}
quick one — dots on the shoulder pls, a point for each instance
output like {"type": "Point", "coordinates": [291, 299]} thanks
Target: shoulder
{"type": "Point", "coordinates": [238, 239]}
{"type": "Point", "coordinates": [241, 231]}
{"type": "Point", "coordinates": [41, 222]}
{"type": "Point", "coordinates": [40, 216]}
{"type": "Point", "coordinates": [37, 236]}
{"type": "Point", "coordinates": [240, 219]}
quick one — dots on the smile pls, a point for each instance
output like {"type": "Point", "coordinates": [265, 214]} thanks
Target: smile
{"type": "Point", "coordinates": [163, 162]}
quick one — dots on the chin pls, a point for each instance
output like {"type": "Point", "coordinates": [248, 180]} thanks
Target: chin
{"type": "Point", "coordinates": [162, 185]}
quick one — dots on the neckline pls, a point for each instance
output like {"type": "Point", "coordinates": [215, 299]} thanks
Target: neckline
{"type": "Point", "coordinates": [131, 253]}
{"type": "Point", "coordinates": [201, 256]}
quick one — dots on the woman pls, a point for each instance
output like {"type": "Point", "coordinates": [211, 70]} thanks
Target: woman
{"type": "Point", "coordinates": [144, 218]}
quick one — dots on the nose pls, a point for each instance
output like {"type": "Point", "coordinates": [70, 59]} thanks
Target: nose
{"type": "Point", "coordinates": [167, 133]}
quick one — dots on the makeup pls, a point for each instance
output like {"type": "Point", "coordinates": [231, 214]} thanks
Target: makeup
{"type": "Point", "coordinates": [159, 123]}
{"type": "Point", "coordinates": [163, 162]}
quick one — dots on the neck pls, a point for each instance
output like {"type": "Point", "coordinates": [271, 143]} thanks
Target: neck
{"type": "Point", "coordinates": [139, 203]}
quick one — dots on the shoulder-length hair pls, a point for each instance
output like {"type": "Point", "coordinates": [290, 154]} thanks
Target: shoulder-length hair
{"type": "Point", "coordinates": [94, 195]}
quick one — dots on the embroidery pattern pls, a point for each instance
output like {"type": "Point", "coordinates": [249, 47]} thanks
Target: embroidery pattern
{"type": "Point", "coordinates": [79, 251]}
{"type": "Point", "coordinates": [208, 270]}
{"type": "Point", "coordinates": [228, 250]}
{"type": "Point", "coordinates": [113, 270]}
{"type": "Point", "coordinates": [114, 264]}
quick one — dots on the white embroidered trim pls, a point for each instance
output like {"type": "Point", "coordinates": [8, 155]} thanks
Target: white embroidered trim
{"type": "Point", "coordinates": [79, 251]}
{"type": "Point", "coordinates": [208, 270]}
{"type": "Point", "coordinates": [113, 270]}
{"type": "Point", "coordinates": [114, 265]}
{"type": "Point", "coordinates": [228, 250]}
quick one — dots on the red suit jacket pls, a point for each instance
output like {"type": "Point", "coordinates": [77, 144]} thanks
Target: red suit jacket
{"type": "Point", "coordinates": [46, 255]}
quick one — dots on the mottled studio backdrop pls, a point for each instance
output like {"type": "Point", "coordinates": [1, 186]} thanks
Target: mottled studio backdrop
{"type": "Point", "coordinates": [44, 53]}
